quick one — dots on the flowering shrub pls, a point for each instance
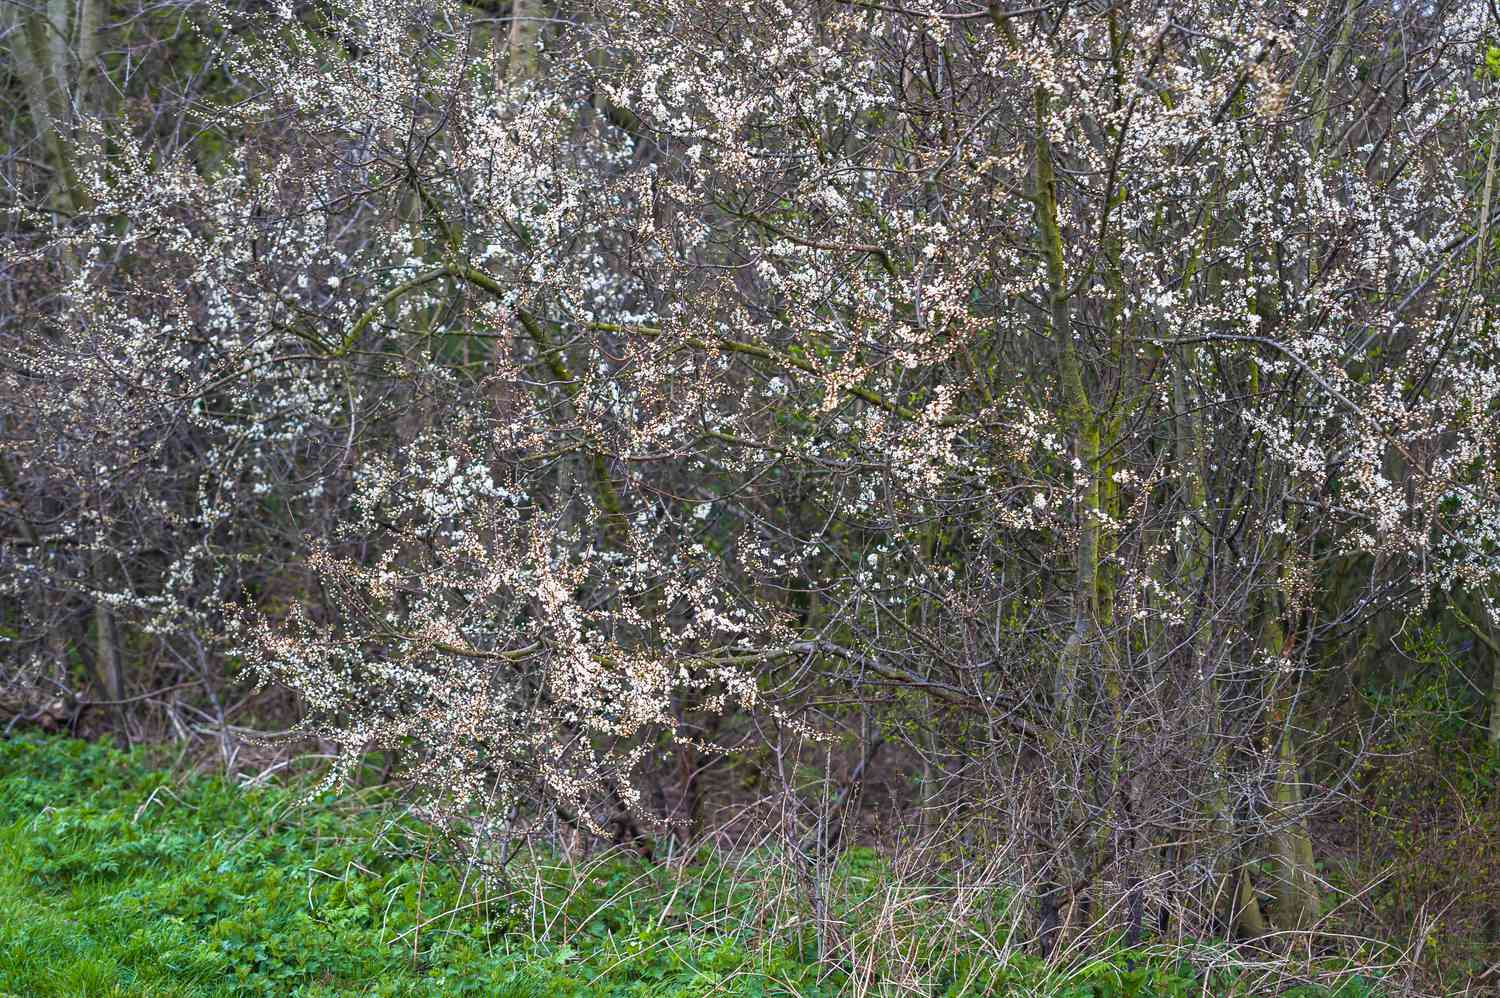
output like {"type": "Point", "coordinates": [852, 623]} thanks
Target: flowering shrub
{"type": "Point", "coordinates": [1020, 379]}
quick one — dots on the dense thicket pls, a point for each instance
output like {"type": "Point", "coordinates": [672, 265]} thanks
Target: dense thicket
{"type": "Point", "coordinates": [661, 421]}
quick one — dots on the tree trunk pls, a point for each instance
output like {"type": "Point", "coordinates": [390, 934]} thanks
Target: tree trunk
{"type": "Point", "coordinates": [525, 31]}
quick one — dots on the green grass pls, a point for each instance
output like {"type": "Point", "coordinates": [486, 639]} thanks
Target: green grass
{"type": "Point", "coordinates": [117, 879]}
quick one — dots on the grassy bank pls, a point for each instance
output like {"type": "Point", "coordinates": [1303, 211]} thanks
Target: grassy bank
{"type": "Point", "coordinates": [118, 878]}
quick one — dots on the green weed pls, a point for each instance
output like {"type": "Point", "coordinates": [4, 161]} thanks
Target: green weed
{"type": "Point", "coordinates": [116, 879]}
